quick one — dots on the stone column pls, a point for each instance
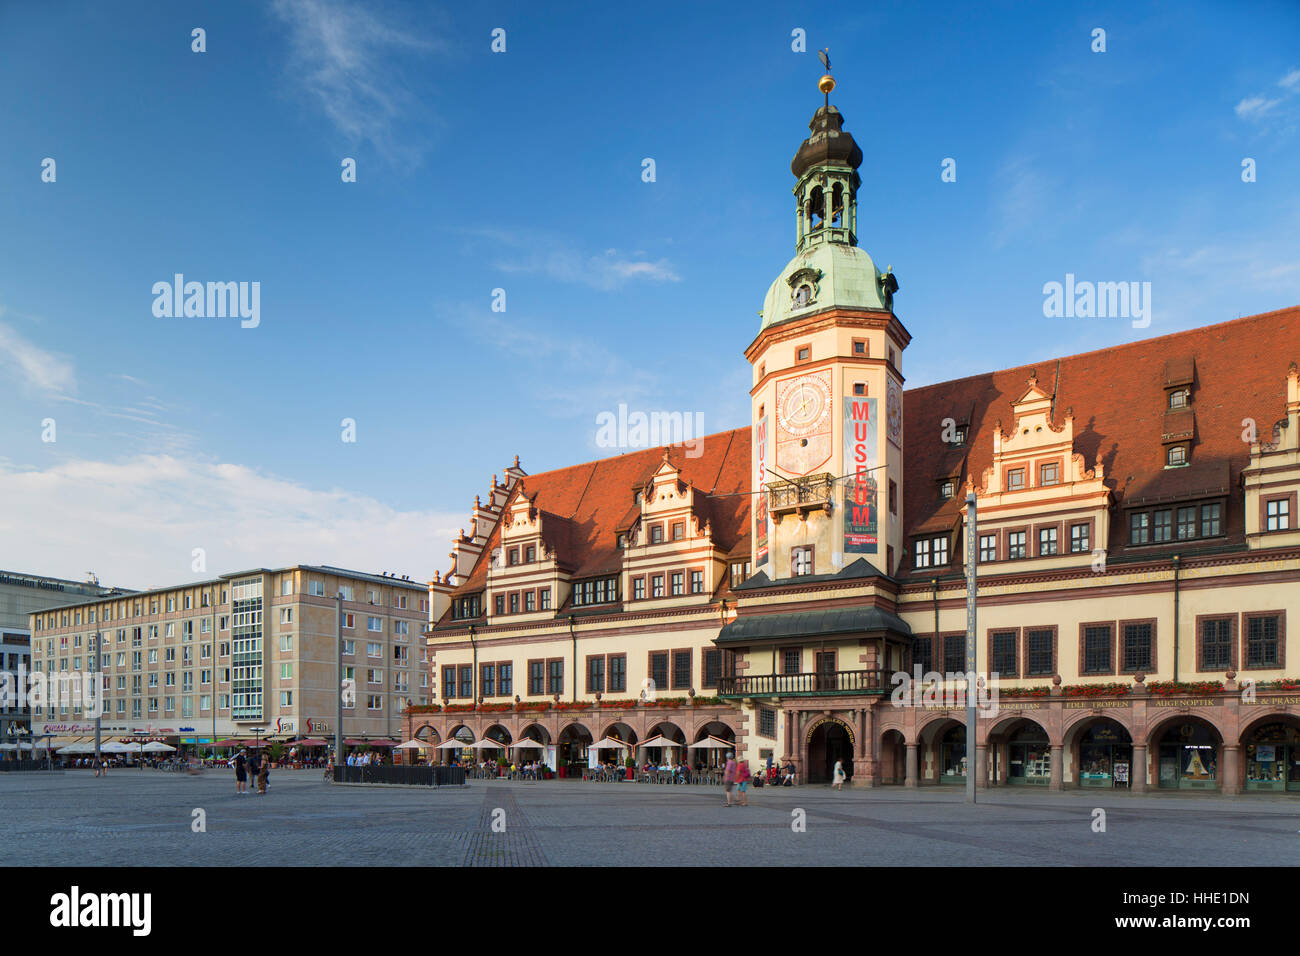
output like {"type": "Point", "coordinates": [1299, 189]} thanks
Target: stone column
{"type": "Point", "coordinates": [981, 766]}
{"type": "Point", "coordinates": [1137, 773]}
{"type": "Point", "coordinates": [867, 771]}
{"type": "Point", "coordinates": [1058, 769]}
{"type": "Point", "coordinates": [1230, 770]}
{"type": "Point", "coordinates": [910, 771]}
{"type": "Point", "coordinates": [789, 732]}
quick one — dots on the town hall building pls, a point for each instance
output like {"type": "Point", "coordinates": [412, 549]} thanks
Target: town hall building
{"type": "Point", "coordinates": [1137, 553]}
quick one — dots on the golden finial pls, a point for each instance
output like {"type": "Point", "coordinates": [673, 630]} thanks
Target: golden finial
{"type": "Point", "coordinates": [827, 82]}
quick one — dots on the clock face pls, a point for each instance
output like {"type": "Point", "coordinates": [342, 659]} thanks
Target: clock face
{"type": "Point", "coordinates": [803, 422]}
{"type": "Point", "coordinates": [805, 406]}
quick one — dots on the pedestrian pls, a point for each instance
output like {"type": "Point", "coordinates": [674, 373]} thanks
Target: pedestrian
{"type": "Point", "coordinates": [729, 777]}
{"type": "Point", "coordinates": [742, 782]}
{"type": "Point", "coordinates": [838, 776]}
{"type": "Point", "coordinates": [241, 772]}
{"type": "Point", "coordinates": [263, 774]}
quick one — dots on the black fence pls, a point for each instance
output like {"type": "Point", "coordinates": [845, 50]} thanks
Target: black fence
{"type": "Point", "coordinates": [417, 776]}
{"type": "Point", "coordinates": [804, 685]}
{"type": "Point", "coordinates": [15, 766]}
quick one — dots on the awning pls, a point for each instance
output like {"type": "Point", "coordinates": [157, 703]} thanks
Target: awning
{"type": "Point", "coordinates": [310, 742]}
{"type": "Point", "coordinates": [659, 740]}
{"type": "Point", "coordinates": [358, 742]}
{"type": "Point", "coordinates": [410, 745]}
{"type": "Point", "coordinates": [452, 744]}
{"type": "Point", "coordinates": [609, 743]}
{"type": "Point", "coordinates": [525, 744]}
{"type": "Point", "coordinates": [749, 629]}
{"type": "Point", "coordinates": [486, 744]}
{"type": "Point", "coordinates": [711, 743]}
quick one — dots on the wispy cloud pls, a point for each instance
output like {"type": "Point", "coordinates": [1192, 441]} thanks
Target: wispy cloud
{"type": "Point", "coordinates": [137, 522]}
{"type": "Point", "coordinates": [1264, 106]}
{"type": "Point", "coordinates": [32, 366]}
{"type": "Point", "coordinates": [533, 252]}
{"type": "Point", "coordinates": [344, 57]}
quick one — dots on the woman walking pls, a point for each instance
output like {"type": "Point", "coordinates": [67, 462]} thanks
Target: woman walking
{"type": "Point", "coordinates": [742, 782]}
{"type": "Point", "coordinates": [838, 776]}
{"type": "Point", "coordinates": [729, 777]}
{"type": "Point", "coordinates": [241, 772]}
{"type": "Point", "coordinates": [263, 771]}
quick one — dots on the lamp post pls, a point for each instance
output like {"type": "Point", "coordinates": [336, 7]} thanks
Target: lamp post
{"type": "Point", "coordinates": [99, 709]}
{"type": "Point", "coordinates": [972, 556]}
{"type": "Point", "coordinates": [338, 688]}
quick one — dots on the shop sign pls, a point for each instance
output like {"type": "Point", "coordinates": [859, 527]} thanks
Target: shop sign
{"type": "Point", "coordinates": [1275, 701]}
{"type": "Point", "coordinates": [1186, 702]}
{"type": "Point", "coordinates": [317, 726]}
{"type": "Point", "coordinates": [1018, 705]}
{"type": "Point", "coordinates": [283, 726]}
{"type": "Point", "coordinates": [830, 720]}
{"type": "Point", "coordinates": [1099, 704]}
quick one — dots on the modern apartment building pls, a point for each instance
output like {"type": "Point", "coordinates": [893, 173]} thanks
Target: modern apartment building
{"type": "Point", "coordinates": [257, 649]}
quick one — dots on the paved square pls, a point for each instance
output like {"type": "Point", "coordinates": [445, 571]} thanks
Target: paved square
{"type": "Point", "coordinates": [143, 817]}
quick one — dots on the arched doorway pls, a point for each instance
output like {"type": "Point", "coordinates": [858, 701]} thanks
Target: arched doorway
{"type": "Point", "coordinates": [829, 740]}
{"type": "Point", "coordinates": [951, 754]}
{"type": "Point", "coordinates": [499, 734]}
{"type": "Point", "coordinates": [661, 755]}
{"type": "Point", "coordinates": [571, 752]}
{"type": "Point", "coordinates": [1270, 748]}
{"type": "Point", "coordinates": [893, 758]}
{"type": "Point", "coordinates": [713, 756]}
{"type": "Point", "coordinates": [1029, 754]}
{"type": "Point", "coordinates": [1188, 752]}
{"type": "Point", "coordinates": [1105, 754]}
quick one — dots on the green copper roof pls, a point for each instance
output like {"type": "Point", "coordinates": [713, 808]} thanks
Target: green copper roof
{"type": "Point", "coordinates": [837, 274]}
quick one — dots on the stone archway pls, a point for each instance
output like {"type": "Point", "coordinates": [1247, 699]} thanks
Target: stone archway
{"type": "Point", "coordinates": [826, 741]}
{"type": "Point", "coordinates": [1187, 753]}
{"type": "Point", "coordinates": [893, 757]}
{"type": "Point", "coordinates": [1102, 753]}
{"type": "Point", "coordinates": [1270, 754]}
{"type": "Point", "coordinates": [1020, 752]}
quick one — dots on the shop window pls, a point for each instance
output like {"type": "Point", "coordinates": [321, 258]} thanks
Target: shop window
{"type": "Point", "coordinates": [1273, 758]}
{"type": "Point", "coordinates": [1029, 757]}
{"type": "Point", "coordinates": [1106, 756]}
{"type": "Point", "coordinates": [1188, 758]}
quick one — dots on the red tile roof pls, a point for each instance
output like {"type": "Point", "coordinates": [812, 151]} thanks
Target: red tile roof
{"type": "Point", "coordinates": [1119, 401]}
{"type": "Point", "coordinates": [586, 506]}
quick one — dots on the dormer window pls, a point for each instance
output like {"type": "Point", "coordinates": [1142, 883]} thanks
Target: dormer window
{"type": "Point", "coordinates": [959, 435]}
{"type": "Point", "coordinates": [946, 488]}
{"type": "Point", "coordinates": [1176, 457]}
{"type": "Point", "coordinates": [622, 542]}
{"type": "Point", "coordinates": [1178, 398]}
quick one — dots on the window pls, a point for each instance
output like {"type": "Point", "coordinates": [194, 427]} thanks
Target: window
{"type": "Point", "coordinates": [466, 680]}
{"type": "Point", "coordinates": [1047, 543]}
{"type": "Point", "coordinates": [767, 722]}
{"type": "Point", "coordinates": [373, 649]}
{"type": "Point", "coordinates": [374, 624]}
{"type": "Point", "coordinates": [859, 388]}
{"type": "Point", "coordinates": [1096, 649]}
{"type": "Point", "coordinates": [1049, 473]}
{"type": "Point", "coordinates": [487, 679]}
{"type": "Point", "coordinates": [555, 677]}
{"type": "Point", "coordinates": [1216, 644]}
{"type": "Point", "coordinates": [1277, 514]}
{"type": "Point", "coordinates": [505, 676]}
{"type": "Point", "coordinates": [349, 647]}
{"type": "Point", "coordinates": [1004, 654]}
{"type": "Point", "coordinates": [638, 589]}
{"type": "Point", "coordinates": [1263, 645]}
{"type": "Point", "coordinates": [1211, 520]}
{"type": "Point", "coordinates": [954, 653]}
{"type": "Point", "coordinates": [678, 584]}
{"type": "Point", "coordinates": [791, 661]}
{"type": "Point", "coordinates": [656, 534]}
{"type": "Point", "coordinates": [501, 603]}
{"type": "Point", "coordinates": [679, 530]}
{"type": "Point", "coordinates": [536, 677]}
{"type": "Point", "coordinates": [286, 585]}
{"type": "Point", "coordinates": [286, 615]}
{"type": "Point", "coordinates": [349, 621]}
{"type": "Point", "coordinates": [1040, 651]}
{"type": "Point", "coordinates": [801, 560]}
{"type": "Point", "coordinates": [530, 601]}
{"type": "Point", "coordinates": [348, 592]}
{"type": "Point", "coordinates": [681, 670]}
{"type": "Point", "coordinates": [893, 497]}
{"type": "Point", "coordinates": [1139, 649]}
{"type": "Point", "coordinates": [545, 598]}
{"type": "Point", "coordinates": [1186, 523]}
{"type": "Point", "coordinates": [512, 556]}
{"type": "Point", "coordinates": [530, 554]}
{"type": "Point", "coordinates": [697, 582]}
{"type": "Point", "coordinates": [1177, 456]}
{"type": "Point", "coordinates": [617, 673]}
{"type": "Point", "coordinates": [1016, 544]}
{"type": "Point", "coordinates": [1080, 538]}
{"type": "Point", "coordinates": [286, 642]}
{"type": "Point", "coordinates": [286, 671]}
{"type": "Point", "coordinates": [595, 675]}
{"type": "Point", "coordinates": [514, 602]}
{"type": "Point", "coordinates": [860, 347]}
{"type": "Point", "coordinates": [657, 586]}
{"type": "Point", "coordinates": [1139, 528]}
{"type": "Point", "coordinates": [1163, 525]}
{"type": "Point", "coordinates": [946, 488]}
{"type": "Point", "coordinates": [659, 669]}
{"type": "Point", "coordinates": [316, 588]}
{"type": "Point", "coordinates": [803, 353]}
{"type": "Point", "coordinates": [712, 666]}
{"type": "Point", "coordinates": [1016, 479]}
{"type": "Point", "coordinates": [988, 547]}
{"type": "Point", "coordinates": [1178, 398]}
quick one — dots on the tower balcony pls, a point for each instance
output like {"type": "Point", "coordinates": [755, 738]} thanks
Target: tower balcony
{"type": "Point", "coordinates": [800, 496]}
{"type": "Point", "coordinates": [827, 684]}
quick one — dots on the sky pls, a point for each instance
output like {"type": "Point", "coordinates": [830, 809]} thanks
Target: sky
{"type": "Point", "coordinates": [386, 379]}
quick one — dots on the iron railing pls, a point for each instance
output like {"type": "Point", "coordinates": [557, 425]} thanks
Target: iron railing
{"type": "Point", "coordinates": [805, 685]}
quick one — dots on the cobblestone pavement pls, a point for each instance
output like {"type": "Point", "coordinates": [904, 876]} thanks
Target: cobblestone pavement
{"type": "Point", "coordinates": [143, 817]}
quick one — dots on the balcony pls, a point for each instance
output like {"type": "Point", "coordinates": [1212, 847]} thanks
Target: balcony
{"type": "Point", "coordinates": [800, 496]}
{"type": "Point", "coordinates": [829, 684]}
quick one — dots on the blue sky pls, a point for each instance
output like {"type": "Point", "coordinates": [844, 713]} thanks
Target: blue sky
{"type": "Point", "coordinates": [522, 170]}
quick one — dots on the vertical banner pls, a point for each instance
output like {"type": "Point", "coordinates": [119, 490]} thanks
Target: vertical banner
{"type": "Point", "coordinates": [861, 437]}
{"type": "Point", "coordinates": [760, 497]}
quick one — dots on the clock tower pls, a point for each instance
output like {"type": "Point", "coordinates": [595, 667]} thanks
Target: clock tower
{"type": "Point", "coordinates": [827, 396]}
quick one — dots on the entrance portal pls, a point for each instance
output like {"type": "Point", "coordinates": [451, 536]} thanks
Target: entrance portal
{"type": "Point", "coordinates": [830, 741]}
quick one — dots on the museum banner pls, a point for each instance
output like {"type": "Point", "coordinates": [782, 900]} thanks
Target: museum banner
{"type": "Point", "coordinates": [861, 436]}
{"type": "Point", "coordinates": [760, 499]}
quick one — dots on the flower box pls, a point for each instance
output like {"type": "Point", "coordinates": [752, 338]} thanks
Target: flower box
{"type": "Point", "coordinates": [1015, 692]}
{"type": "Point", "coordinates": [1169, 688]}
{"type": "Point", "coordinates": [1098, 690]}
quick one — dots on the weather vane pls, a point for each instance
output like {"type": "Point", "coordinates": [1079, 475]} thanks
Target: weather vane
{"type": "Point", "coordinates": [827, 82]}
